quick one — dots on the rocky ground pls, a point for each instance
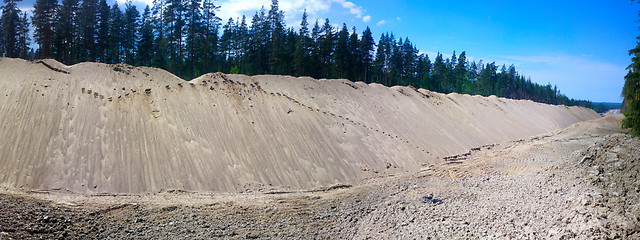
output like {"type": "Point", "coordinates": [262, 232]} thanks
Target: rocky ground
{"type": "Point", "coordinates": [577, 183]}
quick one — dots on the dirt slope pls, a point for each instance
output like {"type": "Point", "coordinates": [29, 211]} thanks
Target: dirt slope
{"type": "Point", "coordinates": [93, 128]}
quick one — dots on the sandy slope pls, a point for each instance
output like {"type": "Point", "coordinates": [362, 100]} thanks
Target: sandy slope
{"type": "Point", "coordinates": [92, 128]}
{"type": "Point", "coordinates": [575, 183]}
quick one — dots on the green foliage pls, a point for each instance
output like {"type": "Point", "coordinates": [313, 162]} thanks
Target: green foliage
{"type": "Point", "coordinates": [88, 20]}
{"type": "Point", "coordinates": [65, 33]}
{"type": "Point", "coordinates": [130, 26]}
{"type": "Point", "coordinates": [631, 92]}
{"type": "Point", "coordinates": [632, 118]}
{"type": "Point", "coordinates": [114, 47]}
{"type": "Point", "coordinates": [604, 107]}
{"type": "Point", "coordinates": [103, 17]}
{"type": "Point", "coordinates": [234, 70]}
{"type": "Point", "coordinates": [22, 48]}
{"type": "Point", "coordinates": [145, 43]}
{"type": "Point", "coordinates": [43, 20]}
{"type": "Point", "coordinates": [9, 32]}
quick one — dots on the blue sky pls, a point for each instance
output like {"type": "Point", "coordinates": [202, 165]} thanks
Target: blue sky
{"type": "Point", "coordinates": [580, 46]}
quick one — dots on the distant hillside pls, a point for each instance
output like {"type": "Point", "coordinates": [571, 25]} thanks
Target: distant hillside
{"type": "Point", "coordinates": [602, 107]}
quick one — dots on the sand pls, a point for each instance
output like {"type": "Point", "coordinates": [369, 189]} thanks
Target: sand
{"type": "Point", "coordinates": [578, 182]}
{"type": "Point", "coordinates": [92, 128]}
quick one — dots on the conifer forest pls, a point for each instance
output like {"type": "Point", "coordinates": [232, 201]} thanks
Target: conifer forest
{"type": "Point", "coordinates": [186, 38]}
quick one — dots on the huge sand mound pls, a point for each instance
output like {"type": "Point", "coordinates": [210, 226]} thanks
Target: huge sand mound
{"type": "Point", "coordinates": [114, 128]}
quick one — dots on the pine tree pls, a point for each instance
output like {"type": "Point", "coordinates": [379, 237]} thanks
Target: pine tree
{"type": "Point", "coordinates": [326, 49]}
{"type": "Point", "coordinates": [409, 63]}
{"type": "Point", "coordinates": [447, 84]}
{"type": "Point", "coordinates": [130, 32]}
{"type": "Point", "coordinates": [23, 37]}
{"type": "Point", "coordinates": [87, 22]}
{"type": "Point", "coordinates": [277, 34]}
{"type": "Point", "coordinates": [130, 25]}
{"type": "Point", "coordinates": [487, 79]}
{"type": "Point", "coordinates": [103, 17]}
{"type": "Point", "coordinates": [227, 43]}
{"type": "Point", "coordinates": [301, 57]}
{"type": "Point", "coordinates": [315, 51]}
{"type": "Point", "coordinates": [472, 77]}
{"type": "Point", "coordinates": [438, 75]}
{"type": "Point", "coordinates": [114, 51]}
{"type": "Point", "coordinates": [194, 36]}
{"type": "Point", "coordinates": [174, 19]}
{"type": "Point", "coordinates": [367, 45]}
{"type": "Point", "coordinates": [241, 47]}
{"type": "Point", "coordinates": [65, 36]}
{"type": "Point", "coordinates": [631, 92]}
{"type": "Point", "coordinates": [353, 60]}
{"type": "Point", "coordinates": [512, 76]}
{"type": "Point", "coordinates": [423, 72]}
{"type": "Point", "coordinates": [501, 84]}
{"type": "Point", "coordinates": [10, 23]}
{"type": "Point", "coordinates": [341, 56]}
{"type": "Point", "coordinates": [460, 74]}
{"type": "Point", "coordinates": [43, 23]}
{"type": "Point", "coordinates": [145, 43]}
{"type": "Point", "coordinates": [389, 68]}
{"type": "Point", "coordinates": [288, 52]}
{"type": "Point", "coordinates": [396, 65]}
{"type": "Point", "coordinates": [379, 64]}
{"type": "Point", "coordinates": [160, 47]}
{"type": "Point", "coordinates": [1, 38]}
{"type": "Point", "coordinates": [210, 28]}
{"type": "Point", "coordinates": [260, 42]}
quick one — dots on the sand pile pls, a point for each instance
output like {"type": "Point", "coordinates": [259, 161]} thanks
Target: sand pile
{"type": "Point", "coordinates": [94, 128]}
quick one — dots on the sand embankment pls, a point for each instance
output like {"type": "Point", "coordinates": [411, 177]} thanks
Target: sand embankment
{"type": "Point", "coordinates": [114, 128]}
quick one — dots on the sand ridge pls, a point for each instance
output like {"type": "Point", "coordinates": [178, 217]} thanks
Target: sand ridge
{"type": "Point", "coordinates": [93, 128]}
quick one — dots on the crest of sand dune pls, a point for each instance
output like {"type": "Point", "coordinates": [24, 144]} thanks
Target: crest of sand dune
{"type": "Point", "coordinates": [92, 127]}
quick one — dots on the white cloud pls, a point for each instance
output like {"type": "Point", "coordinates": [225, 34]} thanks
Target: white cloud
{"type": "Point", "coordinates": [348, 5]}
{"type": "Point", "coordinates": [293, 9]}
{"type": "Point", "coordinates": [236, 8]}
{"type": "Point", "coordinates": [381, 22]}
{"type": "Point", "coordinates": [140, 4]}
{"type": "Point", "coordinates": [26, 9]}
{"type": "Point", "coordinates": [352, 7]}
{"type": "Point", "coordinates": [399, 19]}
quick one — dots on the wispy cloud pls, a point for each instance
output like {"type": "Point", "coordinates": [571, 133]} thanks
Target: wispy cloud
{"type": "Point", "coordinates": [577, 76]}
{"type": "Point", "coordinates": [381, 22]}
{"type": "Point", "coordinates": [135, 2]}
{"type": "Point", "coordinates": [366, 19]}
{"type": "Point", "coordinates": [354, 9]}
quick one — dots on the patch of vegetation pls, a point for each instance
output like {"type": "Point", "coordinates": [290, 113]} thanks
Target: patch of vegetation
{"type": "Point", "coordinates": [631, 92]}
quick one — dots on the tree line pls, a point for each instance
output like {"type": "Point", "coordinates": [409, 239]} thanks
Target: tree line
{"type": "Point", "coordinates": [186, 38]}
{"type": "Point", "coordinates": [631, 91]}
